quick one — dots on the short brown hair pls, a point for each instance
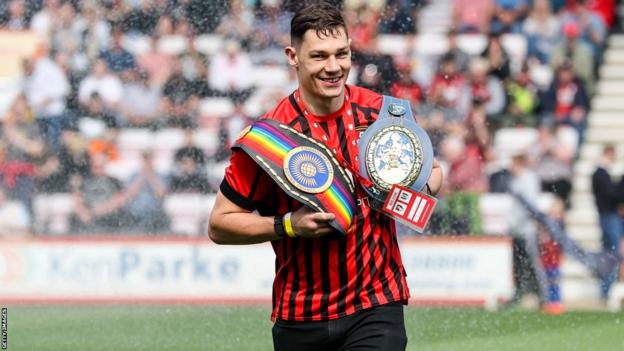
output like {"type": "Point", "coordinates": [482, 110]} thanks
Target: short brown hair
{"type": "Point", "coordinates": [324, 18]}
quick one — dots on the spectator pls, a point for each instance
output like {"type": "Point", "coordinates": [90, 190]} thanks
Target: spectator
{"type": "Point", "coordinates": [541, 29]}
{"type": "Point", "coordinates": [15, 221]}
{"type": "Point", "coordinates": [230, 71]}
{"type": "Point", "coordinates": [445, 91]}
{"type": "Point", "coordinates": [523, 229]}
{"type": "Point", "coordinates": [99, 201]}
{"type": "Point", "coordinates": [472, 16]}
{"type": "Point", "coordinates": [592, 29]}
{"type": "Point", "coordinates": [50, 175]}
{"type": "Point", "coordinates": [179, 114]}
{"type": "Point", "coordinates": [94, 33]}
{"type": "Point", "coordinates": [508, 15]}
{"type": "Point", "coordinates": [106, 84]}
{"type": "Point", "coordinates": [363, 22]}
{"type": "Point", "coordinates": [42, 22]}
{"type": "Point", "coordinates": [398, 17]}
{"type": "Point", "coordinates": [237, 24]}
{"type": "Point", "coordinates": [607, 195]}
{"type": "Point", "coordinates": [271, 34]}
{"type": "Point", "coordinates": [118, 59]}
{"type": "Point", "coordinates": [157, 64]}
{"type": "Point", "coordinates": [466, 164]}
{"type": "Point", "coordinates": [554, 159]}
{"type": "Point", "coordinates": [462, 58]}
{"type": "Point", "coordinates": [96, 111]}
{"type": "Point", "coordinates": [142, 19]}
{"type": "Point", "coordinates": [498, 58]}
{"type": "Point", "coordinates": [566, 101]}
{"type": "Point", "coordinates": [189, 173]}
{"type": "Point", "coordinates": [16, 18]}
{"type": "Point", "coordinates": [523, 97]}
{"type": "Point", "coordinates": [145, 193]}
{"type": "Point", "coordinates": [140, 104]}
{"type": "Point", "coordinates": [46, 89]}
{"type": "Point", "coordinates": [404, 87]}
{"type": "Point", "coordinates": [485, 89]}
{"type": "Point", "coordinates": [21, 145]}
{"type": "Point", "coordinates": [573, 50]}
{"type": "Point", "coordinates": [550, 253]}
{"type": "Point", "coordinates": [74, 153]}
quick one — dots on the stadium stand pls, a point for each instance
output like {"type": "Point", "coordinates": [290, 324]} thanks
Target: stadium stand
{"type": "Point", "coordinates": [536, 120]}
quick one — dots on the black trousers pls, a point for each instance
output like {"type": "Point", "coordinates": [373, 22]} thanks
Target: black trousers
{"type": "Point", "coordinates": [380, 328]}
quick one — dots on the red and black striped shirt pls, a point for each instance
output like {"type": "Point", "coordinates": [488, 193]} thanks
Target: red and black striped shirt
{"type": "Point", "coordinates": [324, 278]}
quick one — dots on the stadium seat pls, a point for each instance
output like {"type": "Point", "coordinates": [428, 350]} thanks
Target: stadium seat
{"type": "Point", "coordinates": [431, 44]}
{"type": "Point", "coordinates": [273, 76]}
{"type": "Point", "coordinates": [136, 44]}
{"type": "Point", "coordinates": [134, 140]}
{"type": "Point", "coordinates": [206, 139]}
{"type": "Point", "coordinates": [173, 45]}
{"type": "Point", "coordinates": [208, 44]}
{"type": "Point", "coordinates": [215, 107]}
{"type": "Point", "coordinates": [516, 46]}
{"type": "Point", "coordinates": [52, 212]}
{"type": "Point", "coordinates": [495, 210]}
{"type": "Point", "coordinates": [473, 44]}
{"type": "Point", "coordinates": [508, 141]}
{"type": "Point", "coordinates": [189, 212]}
{"type": "Point", "coordinates": [393, 44]}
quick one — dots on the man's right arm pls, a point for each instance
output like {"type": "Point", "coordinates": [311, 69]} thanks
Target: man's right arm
{"type": "Point", "coordinates": [234, 225]}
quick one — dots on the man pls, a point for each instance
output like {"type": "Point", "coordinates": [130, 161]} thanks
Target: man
{"type": "Point", "coordinates": [607, 195]}
{"type": "Point", "coordinates": [329, 293]}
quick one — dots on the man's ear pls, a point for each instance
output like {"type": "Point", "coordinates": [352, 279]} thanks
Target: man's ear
{"type": "Point", "coordinates": [291, 56]}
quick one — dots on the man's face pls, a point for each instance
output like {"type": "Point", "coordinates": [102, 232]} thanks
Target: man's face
{"type": "Point", "coordinates": [323, 64]}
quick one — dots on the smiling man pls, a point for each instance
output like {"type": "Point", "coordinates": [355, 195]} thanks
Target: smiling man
{"type": "Point", "coordinates": [332, 291]}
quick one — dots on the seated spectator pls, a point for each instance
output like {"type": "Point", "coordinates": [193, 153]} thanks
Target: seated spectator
{"type": "Point", "coordinates": [96, 110]}
{"type": "Point", "coordinates": [94, 34]}
{"type": "Point", "coordinates": [472, 16]}
{"type": "Point", "coordinates": [189, 174]}
{"type": "Point", "coordinates": [363, 22]}
{"type": "Point", "coordinates": [541, 29]}
{"type": "Point", "coordinates": [508, 15]}
{"type": "Point", "coordinates": [98, 202]}
{"type": "Point", "coordinates": [140, 104]}
{"type": "Point", "coordinates": [398, 17]}
{"type": "Point", "coordinates": [142, 19]}
{"type": "Point", "coordinates": [466, 167]}
{"type": "Point", "coordinates": [404, 87]}
{"type": "Point", "coordinates": [229, 129]}
{"type": "Point", "coordinates": [42, 22]}
{"type": "Point", "coordinates": [498, 58]}
{"type": "Point", "coordinates": [378, 72]}
{"type": "Point", "coordinates": [592, 29]}
{"type": "Point", "coordinates": [445, 91]}
{"type": "Point", "coordinates": [566, 102]}
{"type": "Point", "coordinates": [573, 50]}
{"type": "Point", "coordinates": [15, 220]}
{"type": "Point", "coordinates": [46, 89]}
{"type": "Point", "coordinates": [50, 175]}
{"type": "Point", "coordinates": [157, 64]}
{"type": "Point", "coordinates": [21, 145]}
{"type": "Point", "coordinates": [179, 114]}
{"type": "Point", "coordinates": [523, 101]}
{"type": "Point", "coordinates": [230, 71]}
{"type": "Point", "coordinates": [118, 59]}
{"type": "Point", "coordinates": [271, 34]}
{"type": "Point", "coordinates": [74, 153]}
{"type": "Point", "coordinates": [462, 58]}
{"type": "Point", "coordinates": [237, 23]}
{"type": "Point", "coordinates": [554, 160]}
{"type": "Point", "coordinates": [145, 192]}
{"type": "Point", "coordinates": [485, 89]}
{"type": "Point", "coordinates": [16, 16]}
{"type": "Point", "coordinates": [106, 84]}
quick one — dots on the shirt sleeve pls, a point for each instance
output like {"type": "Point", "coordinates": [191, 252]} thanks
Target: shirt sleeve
{"type": "Point", "coordinates": [245, 183]}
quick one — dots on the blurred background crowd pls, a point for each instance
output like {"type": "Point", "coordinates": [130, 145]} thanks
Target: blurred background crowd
{"type": "Point", "coordinates": [127, 109]}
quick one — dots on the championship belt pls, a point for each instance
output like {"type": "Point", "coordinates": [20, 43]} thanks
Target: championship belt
{"type": "Point", "coordinates": [396, 159]}
{"type": "Point", "coordinates": [303, 167]}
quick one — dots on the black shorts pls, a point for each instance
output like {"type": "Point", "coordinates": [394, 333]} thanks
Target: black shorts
{"type": "Point", "coordinates": [379, 328]}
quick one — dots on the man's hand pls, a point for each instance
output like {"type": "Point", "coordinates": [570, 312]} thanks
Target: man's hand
{"type": "Point", "coordinates": [309, 224]}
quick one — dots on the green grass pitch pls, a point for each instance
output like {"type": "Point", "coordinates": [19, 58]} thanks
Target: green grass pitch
{"type": "Point", "coordinates": [188, 328]}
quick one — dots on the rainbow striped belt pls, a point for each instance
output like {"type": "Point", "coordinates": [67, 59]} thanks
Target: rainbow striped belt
{"type": "Point", "coordinates": [303, 167]}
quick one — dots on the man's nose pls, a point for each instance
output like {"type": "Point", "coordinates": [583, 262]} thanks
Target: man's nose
{"type": "Point", "coordinates": [332, 64]}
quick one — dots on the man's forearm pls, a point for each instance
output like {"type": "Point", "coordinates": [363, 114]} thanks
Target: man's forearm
{"type": "Point", "coordinates": [241, 228]}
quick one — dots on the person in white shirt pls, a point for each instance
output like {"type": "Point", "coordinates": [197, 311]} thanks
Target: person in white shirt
{"type": "Point", "coordinates": [230, 71]}
{"type": "Point", "coordinates": [101, 81]}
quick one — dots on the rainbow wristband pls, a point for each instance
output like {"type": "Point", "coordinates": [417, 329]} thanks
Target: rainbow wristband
{"type": "Point", "coordinates": [288, 225]}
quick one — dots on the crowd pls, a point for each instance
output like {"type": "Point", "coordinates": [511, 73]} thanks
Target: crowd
{"type": "Point", "coordinates": [86, 84]}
